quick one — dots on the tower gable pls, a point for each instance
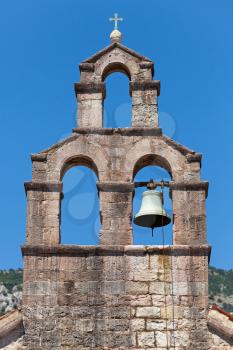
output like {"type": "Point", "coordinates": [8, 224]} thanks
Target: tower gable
{"type": "Point", "coordinates": [144, 90]}
{"type": "Point", "coordinates": [116, 58]}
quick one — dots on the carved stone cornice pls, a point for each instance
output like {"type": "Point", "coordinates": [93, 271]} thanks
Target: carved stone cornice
{"type": "Point", "coordinates": [86, 67]}
{"type": "Point", "coordinates": [136, 131]}
{"type": "Point", "coordinates": [41, 157]}
{"type": "Point", "coordinates": [43, 186]}
{"type": "Point", "coordinates": [110, 186]}
{"type": "Point", "coordinates": [192, 158]}
{"type": "Point", "coordinates": [176, 250]}
{"type": "Point", "coordinates": [145, 85]}
{"type": "Point", "coordinates": [90, 88]}
{"type": "Point", "coordinates": [147, 65]}
{"type": "Point", "coordinates": [189, 186]}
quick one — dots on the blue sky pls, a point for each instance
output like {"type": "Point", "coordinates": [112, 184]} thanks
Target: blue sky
{"type": "Point", "coordinates": [42, 43]}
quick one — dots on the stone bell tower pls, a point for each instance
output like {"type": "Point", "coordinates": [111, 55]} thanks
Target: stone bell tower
{"type": "Point", "coordinates": [116, 295]}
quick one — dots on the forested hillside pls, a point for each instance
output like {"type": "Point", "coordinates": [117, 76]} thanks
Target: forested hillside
{"type": "Point", "coordinates": [10, 289]}
{"type": "Point", "coordinates": [221, 288]}
{"type": "Point", "coordinates": [11, 278]}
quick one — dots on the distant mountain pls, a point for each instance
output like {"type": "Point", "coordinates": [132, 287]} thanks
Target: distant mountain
{"type": "Point", "coordinates": [220, 288]}
{"type": "Point", "coordinates": [11, 282]}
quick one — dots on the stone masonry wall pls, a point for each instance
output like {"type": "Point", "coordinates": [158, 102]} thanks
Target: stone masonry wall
{"type": "Point", "coordinates": [115, 297]}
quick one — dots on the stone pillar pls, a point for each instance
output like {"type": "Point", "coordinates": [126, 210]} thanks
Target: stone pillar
{"type": "Point", "coordinates": [116, 213]}
{"type": "Point", "coordinates": [90, 104]}
{"type": "Point", "coordinates": [43, 213]}
{"type": "Point", "coordinates": [145, 103]}
{"type": "Point", "coordinates": [189, 213]}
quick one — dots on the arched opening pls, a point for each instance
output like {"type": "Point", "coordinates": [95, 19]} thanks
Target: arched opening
{"type": "Point", "coordinates": [80, 222]}
{"type": "Point", "coordinates": [143, 235]}
{"type": "Point", "coordinates": [117, 104]}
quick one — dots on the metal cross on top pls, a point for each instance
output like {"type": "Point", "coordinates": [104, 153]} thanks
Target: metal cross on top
{"type": "Point", "coordinates": [116, 19]}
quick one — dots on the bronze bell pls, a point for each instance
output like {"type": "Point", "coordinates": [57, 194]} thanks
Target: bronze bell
{"type": "Point", "coordinates": [152, 213]}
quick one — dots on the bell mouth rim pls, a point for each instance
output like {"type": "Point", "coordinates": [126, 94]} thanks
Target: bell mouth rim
{"type": "Point", "coordinates": [166, 220]}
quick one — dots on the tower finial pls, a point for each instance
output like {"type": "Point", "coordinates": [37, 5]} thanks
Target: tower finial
{"type": "Point", "coordinates": [116, 19]}
{"type": "Point", "coordinates": [116, 35]}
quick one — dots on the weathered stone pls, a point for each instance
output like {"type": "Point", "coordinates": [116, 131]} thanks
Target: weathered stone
{"type": "Point", "coordinates": [146, 339]}
{"type": "Point", "coordinates": [162, 339]}
{"type": "Point", "coordinates": [136, 287]}
{"type": "Point", "coordinates": [160, 325]}
{"type": "Point", "coordinates": [148, 311]}
{"type": "Point", "coordinates": [158, 287]}
{"type": "Point", "coordinates": [137, 324]}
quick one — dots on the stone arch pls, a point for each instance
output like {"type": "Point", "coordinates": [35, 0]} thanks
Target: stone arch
{"type": "Point", "coordinates": [82, 160]}
{"type": "Point", "coordinates": [114, 67]}
{"type": "Point", "coordinates": [151, 159]}
{"type": "Point", "coordinates": [155, 151]}
{"type": "Point", "coordinates": [117, 61]}
{"type": "Point", "coordinates": [77, 153]}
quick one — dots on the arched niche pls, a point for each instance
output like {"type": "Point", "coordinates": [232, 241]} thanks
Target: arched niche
{"type": "Point", "coordinates": [80, 221]}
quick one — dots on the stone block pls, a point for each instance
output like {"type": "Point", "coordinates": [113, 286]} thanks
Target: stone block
{"type": "Point", "coordinates": [137, 262]}
{"type": "Point", "coordinates": [160, 325]}
{"type": "Point", "coordinates": [190, 288]}
{"type": "Point", "coordinates": [137, 324]}
{"type": "Point", "coordinates": [159, 287]}
{"type": "Point", "coordinates": [140, 300]}
{"type": "Point", "coordinates": [146, 339]}
{"type": "Point", "coordinates": [116, 325]}
{"type": "Point", "coordinates": [162, 339]}
{"type": "Point", "coordinates": [132, 287]}
{"type": "Point", "coordinates": [148, 312]}
{"type": "Point", "coordinates": [169, 312]}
